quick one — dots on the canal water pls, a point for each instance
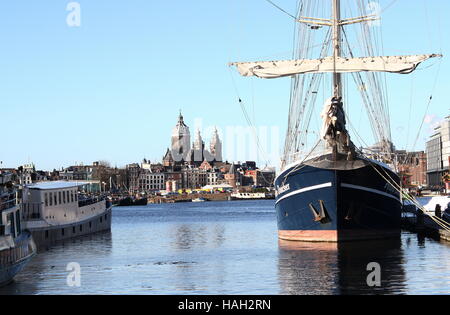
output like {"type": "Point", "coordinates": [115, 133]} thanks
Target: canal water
{"type": "Point", "coordinates": [228, 248]}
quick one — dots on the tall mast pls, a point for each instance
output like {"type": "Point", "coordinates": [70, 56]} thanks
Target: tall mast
{"type": "Point", "coordinates": [337, 82]}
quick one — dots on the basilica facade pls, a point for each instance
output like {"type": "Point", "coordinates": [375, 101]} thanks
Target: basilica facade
{"type": "Point", "coordinates": [182, 153]}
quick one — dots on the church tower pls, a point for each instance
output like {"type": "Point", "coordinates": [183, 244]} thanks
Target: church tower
{"type": "Point", "coordinates": [181, 140]}
{"type": "Point", "coordinates": [216, 146]}
{"type": "Point", "coordinates": [198, 144]}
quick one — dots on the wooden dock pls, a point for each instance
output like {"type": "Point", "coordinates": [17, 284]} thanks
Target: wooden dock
{"type": "Point", "coordinates": [444, 235]}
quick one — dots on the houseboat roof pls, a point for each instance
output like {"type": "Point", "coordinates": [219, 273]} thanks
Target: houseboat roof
{"type": "Point", "coordinates": [56, 185]}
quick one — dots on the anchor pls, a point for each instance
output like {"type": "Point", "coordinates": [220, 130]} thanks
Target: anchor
{"type": "Point", "coordinates": [321, 216]}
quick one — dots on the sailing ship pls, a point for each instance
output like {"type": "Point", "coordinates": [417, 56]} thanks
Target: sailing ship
{"type": "Point", "coordinates": [331, 191]}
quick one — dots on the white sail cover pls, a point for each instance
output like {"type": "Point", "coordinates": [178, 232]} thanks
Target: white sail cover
{"type": "Point", "coordinates": [278, 69]}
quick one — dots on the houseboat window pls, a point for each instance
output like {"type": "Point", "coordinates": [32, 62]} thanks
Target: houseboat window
{"type": "Point", "coordinates": [59, 197]}
{"type": "Point", "coordinates": [64, 196]}
{"type": "Point", "coordinates": [46, 199]}
{"type": "Point", "coordinates": [62, 232]}
{"type": "Point", "coordinates": [12, 225]}
{"type": "Point", "coordinates": [18, 221]}
{"type": "Point", "coordinates": [55, 199]}
{"type": "Point", "coordinates": [50, 197]}
{"type": "Point", "coordinates": [71, 195]}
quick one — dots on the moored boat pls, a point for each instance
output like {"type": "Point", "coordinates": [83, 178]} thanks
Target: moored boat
{"type": "Point", "coordinates": [16, 245]}
{"type": "Point", "coordinates": [328, 189]}
{"type": "Point", "coordinates": [129, 201]}
{"type": "Point", "coordinates": [56, 211]}
{"type": "Point", "coordinates": [248, 196]}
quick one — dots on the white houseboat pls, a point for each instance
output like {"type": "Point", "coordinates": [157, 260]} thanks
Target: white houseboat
{"type": "Point", "coordinates": [16, 245]}
{"type": "Point", "coordinates": [55, 211]}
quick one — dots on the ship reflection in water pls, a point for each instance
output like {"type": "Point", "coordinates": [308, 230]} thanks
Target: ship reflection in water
{"type": "Point", "coordinates": [328, 268]}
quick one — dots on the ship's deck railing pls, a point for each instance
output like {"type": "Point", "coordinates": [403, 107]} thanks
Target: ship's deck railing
{"type": "Point", "coordinates": [23, 249]}
{"type": "Point", "coordinates": [301, 156]}
{"type": "Point", "coordinates": [7, 200]}
{"type": "Point", "coordinates": [90, 201]}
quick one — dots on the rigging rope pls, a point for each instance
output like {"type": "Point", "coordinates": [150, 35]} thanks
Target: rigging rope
{"type": "Point", "coordinates": [281, 9]}
{"type": "Point", "coordinates": [426, 111]}
{"type": "Point", "coordinates": [253, 128]}
{"type": "Point", "coordinates": [445, 225]}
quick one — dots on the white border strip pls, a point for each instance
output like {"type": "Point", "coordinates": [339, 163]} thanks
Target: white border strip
{"type": "Point", "coordinates": [375, 191]}
{"type": "Point", "coordinates": [299, 191]}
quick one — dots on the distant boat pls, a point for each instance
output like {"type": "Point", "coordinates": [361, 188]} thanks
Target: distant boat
{"type": "Point", "coordinates": [248, 196]}
{"type": "Point", "coordinates": [200, 199]}
{"type": "Point", "coordinates": [16, 245]}
{"type": "Point", "coordinates": [129, 201]}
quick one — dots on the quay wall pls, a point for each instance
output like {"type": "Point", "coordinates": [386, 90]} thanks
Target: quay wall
{"type": "Point", "coordinates": [190, 197]}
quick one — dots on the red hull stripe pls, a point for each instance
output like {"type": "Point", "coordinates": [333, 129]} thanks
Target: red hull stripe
{"type": "Point", "coordinates": [309, 236]}
{"type": "Point", "coordinates": [335, 236]}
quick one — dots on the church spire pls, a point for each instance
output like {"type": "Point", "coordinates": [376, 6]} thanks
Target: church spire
{"type": "Point", "coordinates": [216, 146]}
{"type": "Point", "coordinates": [198, 144]}
{"type": "Point", "coordinates": [180, 119]}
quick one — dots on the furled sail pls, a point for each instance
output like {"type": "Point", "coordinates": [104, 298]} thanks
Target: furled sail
{"type": "Point", "coordinates": [278, 69]}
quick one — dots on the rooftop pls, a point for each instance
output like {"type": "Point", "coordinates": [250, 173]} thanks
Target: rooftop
{"type": "Point", "coordinates": [56, 185]}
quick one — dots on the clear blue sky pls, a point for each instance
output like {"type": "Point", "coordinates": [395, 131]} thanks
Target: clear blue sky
{"type": "Point", "coordinates": [111, 88]}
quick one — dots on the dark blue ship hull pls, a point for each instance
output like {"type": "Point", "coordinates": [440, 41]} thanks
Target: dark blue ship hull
{"type": "Point", "coordinates": [337, 201]}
